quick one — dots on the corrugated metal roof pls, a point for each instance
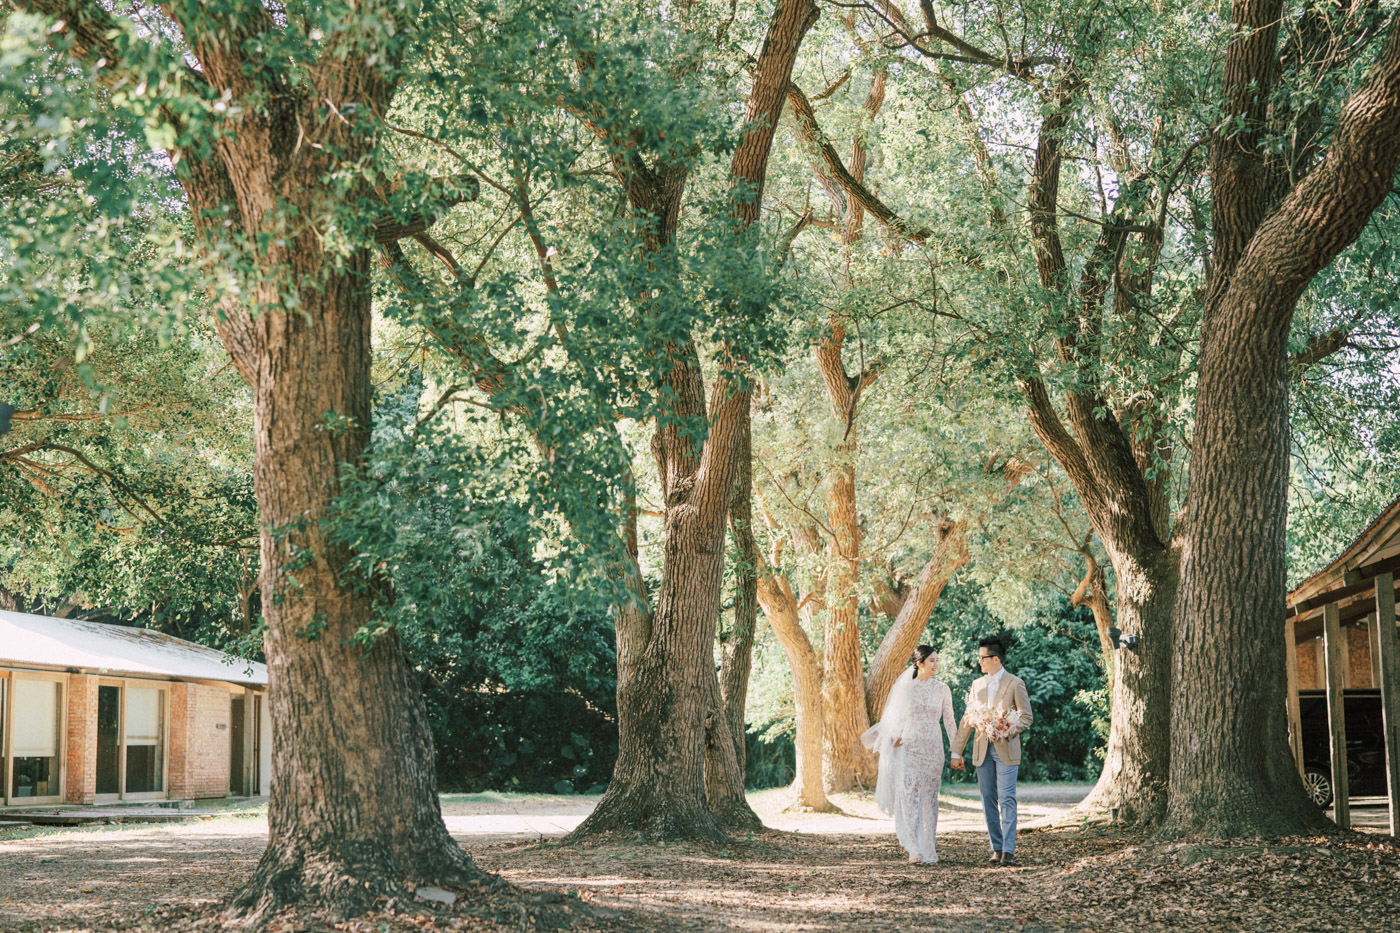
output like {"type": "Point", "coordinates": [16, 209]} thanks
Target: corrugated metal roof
{"type": "Point", "coordinates": [74, 643]}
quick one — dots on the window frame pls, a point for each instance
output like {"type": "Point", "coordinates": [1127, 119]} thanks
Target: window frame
{"type": "Point", "coordinates": [10, 676]}
{"type": "Point", "coordinates": [123, 684]}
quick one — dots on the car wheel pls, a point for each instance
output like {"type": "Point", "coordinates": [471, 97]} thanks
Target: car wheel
{"type": "Point", "coordinates": [1319, 786]}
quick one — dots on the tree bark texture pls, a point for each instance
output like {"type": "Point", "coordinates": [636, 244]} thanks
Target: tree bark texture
{"type": "Point", "coordinates": [724, 778]}
{"type": "Point", "coordinates": [724, 732]}
{"type": "Point", "coordinates": [736, 659]}
{"type": "Point", "coordinates": [1137, 761]}
{"type": "Point", "coordinates": [1232, 772]}
{"type": "Point", "coordinates": [843, 668]}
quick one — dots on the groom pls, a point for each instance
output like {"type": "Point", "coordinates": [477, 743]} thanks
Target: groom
{"type": "Point", "coordinates": [997, 688]}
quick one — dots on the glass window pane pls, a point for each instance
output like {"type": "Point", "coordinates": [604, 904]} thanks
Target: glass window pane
{"type": "Point", "coordinates": [38, 706]}
{"type": "Point", "coordinates": [142, 716]}
{"type": "Point", "coordinates": [36, 718]}
{"type": "Point", "coordinates": [145, 752]}
{"type": "Point", "coordinates": [108, 735]}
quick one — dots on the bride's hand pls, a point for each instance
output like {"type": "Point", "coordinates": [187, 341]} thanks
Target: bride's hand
{"type": "Point", "coordinates": [898, 742]}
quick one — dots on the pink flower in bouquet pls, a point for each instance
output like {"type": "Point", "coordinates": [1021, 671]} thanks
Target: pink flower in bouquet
{"type": "Point", "coordinates": [995, 724]}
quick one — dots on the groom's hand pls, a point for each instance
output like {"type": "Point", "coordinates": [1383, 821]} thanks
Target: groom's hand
{"type": "Point", "coordinates": [956, 764]}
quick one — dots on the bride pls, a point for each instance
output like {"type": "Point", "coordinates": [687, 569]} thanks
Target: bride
{"type": "Point", "coordinates": [911, 754]}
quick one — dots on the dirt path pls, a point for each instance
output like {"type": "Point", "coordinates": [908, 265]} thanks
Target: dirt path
{"type": "Point", "coordinates": [814, 872]}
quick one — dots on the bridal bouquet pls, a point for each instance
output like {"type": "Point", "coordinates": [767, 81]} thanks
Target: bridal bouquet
{"type": "Point", "coordinates": [995, 724]}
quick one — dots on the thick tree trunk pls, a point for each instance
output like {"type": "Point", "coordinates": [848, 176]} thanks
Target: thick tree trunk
{"type": "Point", "coordinates": [1138, 758]}
{"type": "Point", "coordinates": [658, 785]}
{"type": "Point", "coordinates": [354, 812]}
{"type": "Point", "coordinates": [667, 689]}
{"type": "Point", "coordinates": [1232, 773]}
{"type": "Point", "coordinates": [724, 740]}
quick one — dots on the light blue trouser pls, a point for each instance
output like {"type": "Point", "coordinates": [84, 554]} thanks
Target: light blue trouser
{"type": "Point", "coordinates": [997, 782]}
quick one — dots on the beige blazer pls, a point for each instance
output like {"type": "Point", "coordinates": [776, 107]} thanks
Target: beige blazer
{"type": "Point", "coordinates": [1011, 694]}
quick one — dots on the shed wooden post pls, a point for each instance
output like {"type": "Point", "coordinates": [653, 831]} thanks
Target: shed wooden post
{"type": "Point", "coordinates": [1295, 720]}
{"type": "Point", "coordinates": [1335, 650]}
{"type": "Point", "coordinates": [1389, 669]}
{"type": "Point", "coordinates": [1373, 630]}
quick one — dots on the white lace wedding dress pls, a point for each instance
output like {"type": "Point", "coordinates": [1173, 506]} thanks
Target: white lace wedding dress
{"type": "Point", "coordinates": [911, 773]}
{"type": "Point", "coordinates": [916, 794]}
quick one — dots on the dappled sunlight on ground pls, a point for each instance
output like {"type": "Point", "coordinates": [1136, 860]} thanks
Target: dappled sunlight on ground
{"type": "Point", "coordinates": [819, 872]}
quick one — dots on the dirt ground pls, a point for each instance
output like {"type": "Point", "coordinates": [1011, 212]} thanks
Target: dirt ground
{"type": "Point", "coordinates": [807, 872]}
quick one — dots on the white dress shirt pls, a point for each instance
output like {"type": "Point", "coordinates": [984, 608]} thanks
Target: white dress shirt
{"type": "Point", "coordinates": [993, 684]}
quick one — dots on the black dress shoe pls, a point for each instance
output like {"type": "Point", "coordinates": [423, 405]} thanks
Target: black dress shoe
{"type": "Point", "coordinates": [1007, 860]}
{"type": "Point", "coordinates": [995, 859]}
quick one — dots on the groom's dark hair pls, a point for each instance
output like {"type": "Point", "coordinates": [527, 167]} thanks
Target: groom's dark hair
{"type": "Point", "coordinates": [994, 645]}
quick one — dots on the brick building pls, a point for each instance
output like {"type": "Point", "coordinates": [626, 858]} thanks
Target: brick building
{"type": "Point", "coordinates": [93, 713]}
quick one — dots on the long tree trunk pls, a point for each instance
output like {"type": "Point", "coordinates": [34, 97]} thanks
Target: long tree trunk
{"type": "Point", "coordinates": [843, 680]}
{"type": "Point", "coordinates": [1232, 772]}
{"type": "Point", "coordinates": [1138, 758]}
{"type": "Point", "coordinates": [780, 609]}
{"type": "Point", "coordinates": [1102, 462]}
{"type": "Point", "coordinates": [354, 810]}
{"type": "Point", "coordinates": [658, 785]}
{"type": "Point", "coordinates": [736, 652]}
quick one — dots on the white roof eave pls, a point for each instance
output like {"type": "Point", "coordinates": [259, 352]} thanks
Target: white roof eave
{"type": "Point", "coordinates": [43, 641]}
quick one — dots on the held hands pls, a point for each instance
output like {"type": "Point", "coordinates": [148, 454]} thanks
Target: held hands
{"type": "Point", "coordinates": [956, 764]}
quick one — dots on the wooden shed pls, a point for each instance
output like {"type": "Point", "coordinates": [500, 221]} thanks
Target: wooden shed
{"type": "Point", "coordinates": [1341, 638]}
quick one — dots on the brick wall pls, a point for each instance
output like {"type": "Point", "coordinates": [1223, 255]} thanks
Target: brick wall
{"type": "Point", "coordinates": [1312, 670]}
{"type": "Point", "coordinates": [199, 741]}
{"type": "Point", "coordinates": [179, 698]}
{"type": "Point", "coordinates": [1310, 675]}
{"type": "Point", "coordinates": [1359, 656]}
{"type": "Point", "coordinates": [80, 766]}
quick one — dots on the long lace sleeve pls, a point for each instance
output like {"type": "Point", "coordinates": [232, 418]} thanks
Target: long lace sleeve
{"type": "Point", "coordinates": [949, 723]}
